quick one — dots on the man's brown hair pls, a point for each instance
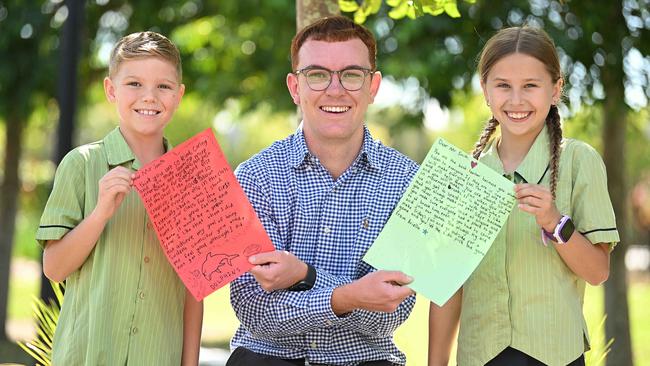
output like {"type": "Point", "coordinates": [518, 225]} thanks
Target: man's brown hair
{"type": "Point", "coordinates": [334, 29]}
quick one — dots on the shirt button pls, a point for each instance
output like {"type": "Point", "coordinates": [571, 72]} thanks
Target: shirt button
{"type": "Point", "coordinates": [327, 230]}
{"type": "Point", "coordinates": [328, 322]}
{"type": "Point", "coordinates": [141, 295]}
{"type": "Point", "coordinates": [146, 259]}
{"type": "Point", "coordinates": [313, 345]}
{"type": "Point", "coordinates": [134, 330]}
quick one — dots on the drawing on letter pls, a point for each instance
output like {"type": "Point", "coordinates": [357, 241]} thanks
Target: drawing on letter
{"type": "Point", "coordinates": [252, 249]}
{"type": "Point", "coordinates": [213, 263]}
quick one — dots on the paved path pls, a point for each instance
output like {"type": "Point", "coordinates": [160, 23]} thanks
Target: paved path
{"type": "Point", "coordinates": [213, 357]}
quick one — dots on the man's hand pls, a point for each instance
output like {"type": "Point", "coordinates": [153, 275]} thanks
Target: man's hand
{"type": "Point", "coordinates": [277, 270]}
{"type": "Point", "coordinates": [377, 291]}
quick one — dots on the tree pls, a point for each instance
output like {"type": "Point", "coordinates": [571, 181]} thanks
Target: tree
{"type": "Point", "coordinates": [308, 11]}
{"type": "Point", "coordinates": [612, 25]}
{"type": "Point", "coordinates": [28, 33]}
{"type": "Point", "coordinates": [67, 97]}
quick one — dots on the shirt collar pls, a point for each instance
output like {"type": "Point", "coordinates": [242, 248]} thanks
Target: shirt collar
{"type": "Point", "coordinates": [534, 166]}
{"type": "Point", "coordinates": [368, 156]}
{"type": "Point", "coordinates": [118, 151]}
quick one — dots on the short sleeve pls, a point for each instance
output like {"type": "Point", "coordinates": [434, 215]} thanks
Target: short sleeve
{"type": "Point", "coordinates": [64, 208]}
{"type": "Point", "coordinates": [593, 214]}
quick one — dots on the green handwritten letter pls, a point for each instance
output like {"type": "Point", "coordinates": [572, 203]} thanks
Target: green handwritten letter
{"type": "Point", "coordinates": [445, 222]}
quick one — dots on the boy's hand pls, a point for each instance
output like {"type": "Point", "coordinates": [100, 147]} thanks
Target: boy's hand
{"type": "Point", "coordinates": [538, 200]}
{"type": "Point", "coordinates": [113, 187]}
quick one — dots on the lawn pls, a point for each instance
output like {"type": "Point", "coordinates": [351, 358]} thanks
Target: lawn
{"type": "Point", "coordinates": [220, 322]}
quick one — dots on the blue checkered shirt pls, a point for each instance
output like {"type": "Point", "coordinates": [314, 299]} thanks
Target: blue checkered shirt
{"type": "Point", "coordinates": [329, 224]}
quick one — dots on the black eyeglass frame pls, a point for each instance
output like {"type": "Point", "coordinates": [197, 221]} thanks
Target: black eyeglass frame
{"type": "Point", "coordinates": [365, 71]}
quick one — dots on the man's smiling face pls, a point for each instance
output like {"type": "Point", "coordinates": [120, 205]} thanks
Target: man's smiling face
{"type": "Point", "coordinates": [333, 114]}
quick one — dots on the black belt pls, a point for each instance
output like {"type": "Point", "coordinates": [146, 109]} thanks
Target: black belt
{"type": "Point", "coordinates": [303, 362]}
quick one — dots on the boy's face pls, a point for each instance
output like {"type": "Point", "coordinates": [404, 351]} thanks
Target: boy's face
{"type": "Point", "coordinates": [146, 92]}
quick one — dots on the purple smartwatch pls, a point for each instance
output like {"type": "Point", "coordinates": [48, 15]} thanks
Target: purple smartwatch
{"type": "Point", "coordinates": [562, 232]}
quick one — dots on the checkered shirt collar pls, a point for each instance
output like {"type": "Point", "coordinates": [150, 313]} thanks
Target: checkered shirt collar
{"type": "Point", "coordinates": [368, 157]}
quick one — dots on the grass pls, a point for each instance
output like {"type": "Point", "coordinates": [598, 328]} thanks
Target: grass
{"type": "Point", "coordinates": [219, 321]}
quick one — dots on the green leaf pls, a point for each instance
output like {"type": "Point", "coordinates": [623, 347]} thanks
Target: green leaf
{"type": "Point", "coordinates": [375, 5]}
{"type": "Point", "coordinates": [399, 11]}
{"type": "Point", "coordinates": [46, 316]}
{"type": "Point", "coordinates": [359, 16]}
{"type": "Point", "coordinates": [416, 5]}
{"type": "Point", "coordinates": [395, 3]}
{"type": "Point", "coordinates": [348, 6]}
{"type": "Point", "coordinates": [452, 10]}
{"type": "Point", "coordinates": [411, 12]}
{"type": "Point", "coordinates": [434, 11]}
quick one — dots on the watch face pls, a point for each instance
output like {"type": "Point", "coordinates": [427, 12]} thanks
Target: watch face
{"type": "Point", "coordinates": [567, 230]}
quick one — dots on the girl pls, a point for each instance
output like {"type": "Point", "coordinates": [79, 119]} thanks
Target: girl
{"type": "Point", "coordinates": [523, 304]}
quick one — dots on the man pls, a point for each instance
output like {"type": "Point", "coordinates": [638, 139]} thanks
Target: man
{"type": "Point", "coordinates": [323, 195]}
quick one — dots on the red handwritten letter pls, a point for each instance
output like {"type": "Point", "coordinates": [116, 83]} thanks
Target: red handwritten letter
{"type": "Point", "coordinates": [204, 222]}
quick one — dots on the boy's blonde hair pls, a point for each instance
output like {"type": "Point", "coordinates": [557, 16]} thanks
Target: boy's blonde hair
{"type": "Point", "coordinates": [142, 45]}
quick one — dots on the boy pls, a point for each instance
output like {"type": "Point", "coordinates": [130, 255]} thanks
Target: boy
{"type": "Point", "coordinates": [124, 304]}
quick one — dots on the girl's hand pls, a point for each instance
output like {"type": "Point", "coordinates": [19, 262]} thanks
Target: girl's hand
{"type": "Point", "coordinates": [538, 200]}
{"type": "Point", "coordinates": [113, 187]}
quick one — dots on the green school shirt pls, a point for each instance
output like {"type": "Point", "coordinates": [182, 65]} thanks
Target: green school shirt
{"type": "Point", "coordinates": [124, 305]}
{"type": "Point", "coordinates": [522, 294]}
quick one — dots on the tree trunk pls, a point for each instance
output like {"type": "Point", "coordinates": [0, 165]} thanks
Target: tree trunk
{"type": "Point", "coordinates": [616, 304]}
{"type": "Point", "coordinates": [8, 208]}
{"type": "Point", "coordinates": [614, 131]}
{"type": "Point", "coordinates": [67, 96]}
{"type": "Point", "coordinates": [308, 11]}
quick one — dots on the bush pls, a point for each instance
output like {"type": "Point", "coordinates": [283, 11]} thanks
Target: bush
{"type": "Point", "coordinates": [46, 316]}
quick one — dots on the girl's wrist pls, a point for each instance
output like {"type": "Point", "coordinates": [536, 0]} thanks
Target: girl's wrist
{"type": "Point", "coordinates": [551, 224]}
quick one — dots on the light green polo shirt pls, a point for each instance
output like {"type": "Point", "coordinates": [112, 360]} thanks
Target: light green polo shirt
{"type": "Point", "coordinates": [522, 294]}
{"type": "Point", "coordinates": [124, 305]}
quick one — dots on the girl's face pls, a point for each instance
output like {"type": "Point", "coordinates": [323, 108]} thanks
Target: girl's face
{"type": "Point", "coordinates": [520, 92]}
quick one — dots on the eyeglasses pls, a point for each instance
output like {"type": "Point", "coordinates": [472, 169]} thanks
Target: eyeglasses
{"type": "Point", "coordinates": [320, 78]}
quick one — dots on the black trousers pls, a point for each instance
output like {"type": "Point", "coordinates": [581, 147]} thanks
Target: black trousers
{"type": "Point", "coordinates": [513, 357]}
{"type": "Point", "coordinates": [245, 357]}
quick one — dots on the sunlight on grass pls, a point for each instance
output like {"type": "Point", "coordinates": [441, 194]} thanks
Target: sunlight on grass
{"type": "Point", "coordinates": [22, 288]}
{"type": "Point", "coordinates": [220, 322]}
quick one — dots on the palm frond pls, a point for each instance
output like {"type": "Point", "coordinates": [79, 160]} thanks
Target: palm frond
{"type": "Point", "coordinates": [46, 317]}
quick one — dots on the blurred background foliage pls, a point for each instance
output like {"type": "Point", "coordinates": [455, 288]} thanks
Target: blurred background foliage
{"type": "Point", "coordinates": [236, 57]}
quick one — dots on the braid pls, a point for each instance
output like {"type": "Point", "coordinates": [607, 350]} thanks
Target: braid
{"type": "Point", "coordinates": [555, 137]}
{"type": "Point", "coordinates": [488, 130]}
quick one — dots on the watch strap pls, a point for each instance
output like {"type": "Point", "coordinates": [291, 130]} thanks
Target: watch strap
{"type": "Point", "coordinates": [306, 283]}
{"type": "Point", "coordinates": [558, 235]}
